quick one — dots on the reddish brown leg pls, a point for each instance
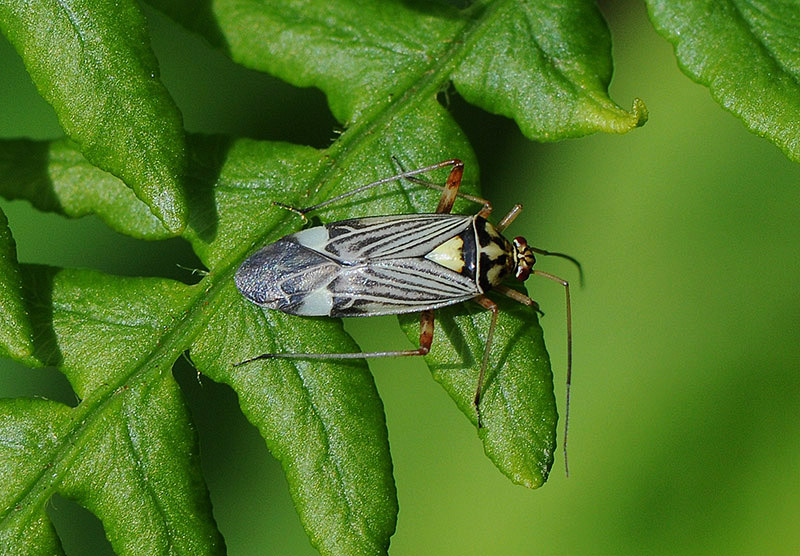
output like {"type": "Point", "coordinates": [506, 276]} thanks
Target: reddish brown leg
{"type": "Point", "coordinates": [450, 191]}
{"type": "Point", "coordinates": [425, 331]}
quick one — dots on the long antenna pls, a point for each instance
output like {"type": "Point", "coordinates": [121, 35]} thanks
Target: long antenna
{"type": "Point", "coordinates": [570, 258]}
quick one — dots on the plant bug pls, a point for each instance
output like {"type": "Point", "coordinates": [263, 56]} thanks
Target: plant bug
{"type": "Point", "coordinates": [406, 263]}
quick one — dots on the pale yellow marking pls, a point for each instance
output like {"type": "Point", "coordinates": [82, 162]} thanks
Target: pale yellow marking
{"type": "Point", "coordinates": [493, 276]}
{"type": "Point", "coordinates": [449, 254]}
{"type": "Point", "coordinates": [494, 251]}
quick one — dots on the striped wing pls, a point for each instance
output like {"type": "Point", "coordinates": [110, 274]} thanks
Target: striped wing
{"type": "Point", "coordinates": [394, 286]}
{"type": "Point", "coordinates": [383, 237]}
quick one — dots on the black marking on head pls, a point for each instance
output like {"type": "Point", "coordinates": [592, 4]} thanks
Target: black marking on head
{"type": "Point", "coordinates": [523, 259]}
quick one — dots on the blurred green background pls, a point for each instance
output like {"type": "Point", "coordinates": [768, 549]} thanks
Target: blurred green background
{"type": "Point", "coordinates": [684, 432]}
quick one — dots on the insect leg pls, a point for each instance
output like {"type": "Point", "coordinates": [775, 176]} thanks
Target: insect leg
{"type": "Point", "coordinates": [518, 297]}
{"type": "Point", "coordinates": [450, 191]}
{"type": "Point", "coordinates": [486, 303]}
{"type": "Point", "coordinates": [508, 218]}
{"type": "Point", "coordinates": [485, 211]}
{"type": "Point", "coordinates": [425, 342]}
{"type": "Point", "coordinates": [454, 162]}
{"type": "Point", "coordinates": [525, 300]}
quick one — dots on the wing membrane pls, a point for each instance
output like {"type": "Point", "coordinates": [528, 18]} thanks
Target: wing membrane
{"type": "Point", "coordinates": [394, 286]}
{"type": "Point", "coordinates": [383, 237]}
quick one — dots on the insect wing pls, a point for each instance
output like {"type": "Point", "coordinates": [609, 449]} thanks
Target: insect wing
{"type": "Point", "coordinates": [285, 276]}
{"type": "Point", "coordinates": [395, 286]}
{"type": "Point", "coordinates": [383, 237]}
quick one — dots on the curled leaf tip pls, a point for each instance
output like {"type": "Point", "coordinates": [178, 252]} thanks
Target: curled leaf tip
{"type": "Point", "coordinates": [639, 112]}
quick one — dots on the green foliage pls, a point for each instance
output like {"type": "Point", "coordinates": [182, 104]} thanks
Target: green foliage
{"type": "Point", "coordinates": [746, 54]}
{"type": "Point", "coordinates": [15, 329]}
{"type": "Point", "coordinates": [518, 411]}
{"type": "Point", "coordinates": [91, 60]}
{"type": "Point", "coordinates": [379, 62]}
{"type": "Point", "coordinates": [127, 451]}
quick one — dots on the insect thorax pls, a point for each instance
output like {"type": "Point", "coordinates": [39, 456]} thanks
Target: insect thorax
{"type": "Point", "coordinates": [496, 256]}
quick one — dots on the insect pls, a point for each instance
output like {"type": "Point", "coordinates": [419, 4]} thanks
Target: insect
{"type": "Point", "coordinates": [397, 264]}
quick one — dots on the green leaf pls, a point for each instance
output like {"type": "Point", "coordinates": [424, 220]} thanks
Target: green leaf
{"type": "Point", "coordinates": [548, 67]}
{"type": "Point", "coordinates": [341, 479]}
{"type": "Point", "coordinates": [127, 451]}
{"type": "Point", "coordinates": [746, 54]}
{"type": "Point", "coordinates": [15, 328]}
{"type": "Point", "coordinates": [91, 60]}
{"type": "Point", "coordinates": [518, 408]}
{"type": "Point", "coordinates": [54, 175]}
{"type": "Point", "coordinates": [29, 432]}
{"type": "Point", "coordinates": [324, 422]}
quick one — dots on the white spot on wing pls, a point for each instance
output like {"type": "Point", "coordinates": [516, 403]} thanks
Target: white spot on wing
{"type": "Point", "coordinates": [316, 304]}
{"type": "Point", "coordinates": [315, 238]}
